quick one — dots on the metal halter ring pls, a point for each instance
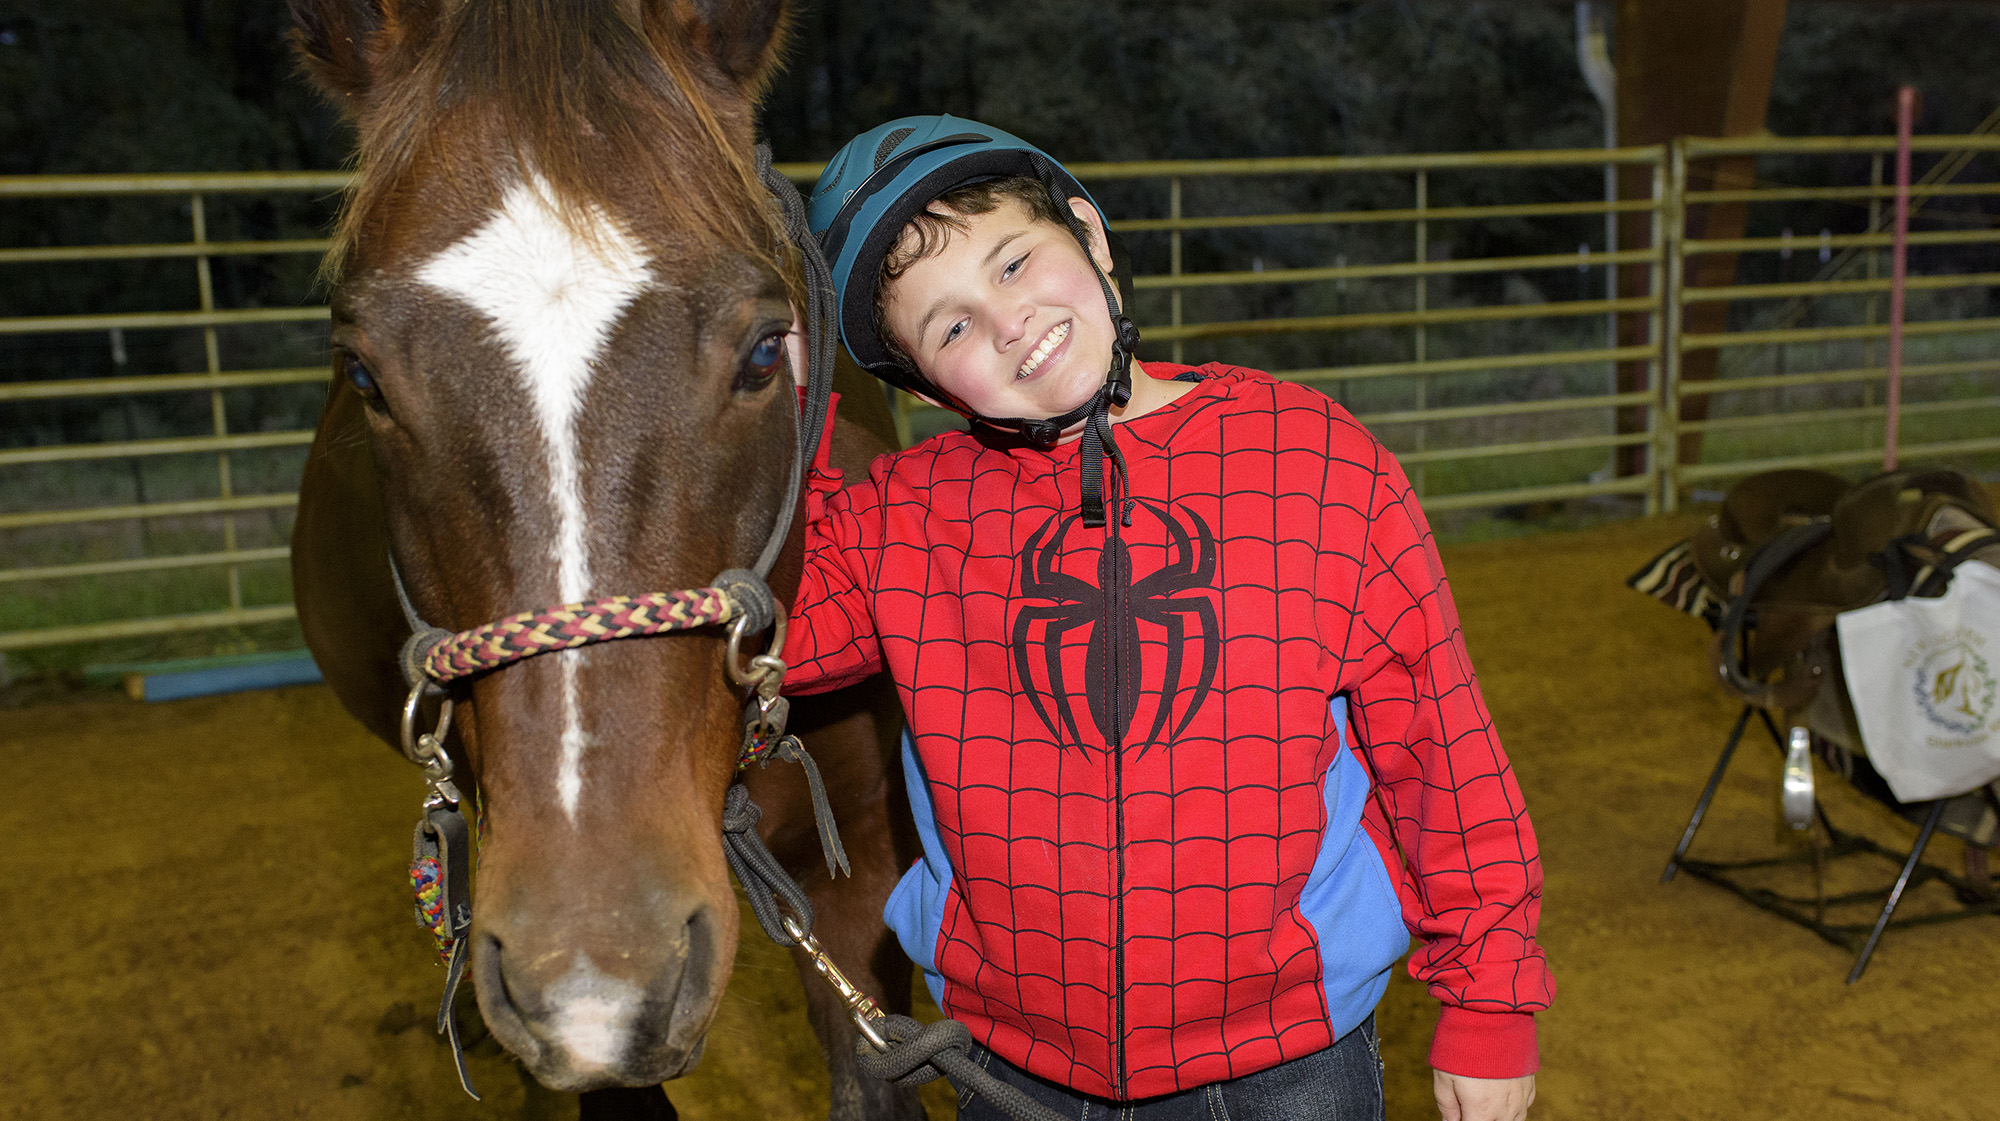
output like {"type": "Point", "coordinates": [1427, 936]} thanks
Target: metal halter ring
{"type": "Point", "coordinates": [413, 744]}
{"type": "Point", "coordinates": [764, 672]}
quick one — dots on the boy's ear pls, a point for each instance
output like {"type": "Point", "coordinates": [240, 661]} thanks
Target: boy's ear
{"type": "Point", "coordinates": [1093, 224]}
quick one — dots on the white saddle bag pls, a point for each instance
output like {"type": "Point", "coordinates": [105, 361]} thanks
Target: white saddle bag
{"type": "Point", "coordinates": [1924, 676]}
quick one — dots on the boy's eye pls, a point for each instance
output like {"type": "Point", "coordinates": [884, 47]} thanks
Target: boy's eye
{"type": "Point", "coordinates": [1014, 265]}
{"type": "Point", "coordinates": [952, 332]}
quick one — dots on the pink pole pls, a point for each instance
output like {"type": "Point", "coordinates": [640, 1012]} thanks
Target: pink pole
{"type": "Point", "coordinates": [1906, 111]}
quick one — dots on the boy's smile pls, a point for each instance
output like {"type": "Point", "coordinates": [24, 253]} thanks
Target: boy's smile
{"type": "Point", "coordinates": [1050, 343]}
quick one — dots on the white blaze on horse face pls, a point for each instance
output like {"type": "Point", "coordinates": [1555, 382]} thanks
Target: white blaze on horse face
{"type": "Point", "coordinates": [553, 293]}
{"type": "Point", "coordinates": [593, 1017]}
{"type": "Point", "coordinates": [553, 290]}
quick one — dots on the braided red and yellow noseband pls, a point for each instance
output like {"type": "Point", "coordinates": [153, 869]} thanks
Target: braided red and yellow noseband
{"type": "Point", "coordinates": [575, 624]}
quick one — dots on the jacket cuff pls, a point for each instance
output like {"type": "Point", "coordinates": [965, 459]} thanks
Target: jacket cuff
{"type": "Point", "coordinates": [1475, 1044]}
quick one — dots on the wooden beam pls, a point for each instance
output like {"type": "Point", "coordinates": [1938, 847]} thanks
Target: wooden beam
{"type": "Point", "coordinates": [1689, 68]}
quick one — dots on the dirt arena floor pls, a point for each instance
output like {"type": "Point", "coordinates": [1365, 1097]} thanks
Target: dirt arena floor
{"type": "Point", "coordinates": [205, 914]}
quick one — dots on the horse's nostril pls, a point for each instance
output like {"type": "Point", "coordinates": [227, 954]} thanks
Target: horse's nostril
{"type": "Point", "coordinates": [697, 988]}
{"type": "Point", "coordinates": [490, 974]}
{"type": "Point", "coordinates": [701, 938]}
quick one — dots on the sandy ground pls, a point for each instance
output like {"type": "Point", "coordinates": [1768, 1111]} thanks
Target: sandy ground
{"type": "Point", "coordinates": [205, 915]}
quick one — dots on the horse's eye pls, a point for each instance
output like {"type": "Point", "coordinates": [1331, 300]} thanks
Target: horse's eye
{"type": "Point", "coordinates": [359, 377]}
{"type": "Point", "coordinates": [767, 353]}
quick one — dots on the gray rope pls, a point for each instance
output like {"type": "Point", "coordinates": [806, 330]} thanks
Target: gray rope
{"type": "Point", "coordinates": [751, 596]}
{"type": "Point", "coordinates": [820, 343]}
{"type": "Point", "coordinates": [924, 1052]}
{"type": "Point", "coordinates": [764, 880]}
{"type": "Point", "coordinates": [919, 1052]}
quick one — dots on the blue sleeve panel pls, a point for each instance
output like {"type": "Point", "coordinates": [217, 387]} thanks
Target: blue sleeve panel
{"type": "Point", "coordinates": [915, 910]}
{"type": "Point", "coordinates": [1349, 900]}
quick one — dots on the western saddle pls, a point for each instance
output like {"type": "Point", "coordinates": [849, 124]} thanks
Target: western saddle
{"type": "Point", "coordinates": [1787, 552]}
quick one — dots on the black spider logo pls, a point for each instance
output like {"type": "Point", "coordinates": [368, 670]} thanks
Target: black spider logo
{"type": "Point", "coordinates": [1114, 609]}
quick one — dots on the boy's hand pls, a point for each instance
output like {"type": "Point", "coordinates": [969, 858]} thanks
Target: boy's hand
{"type": "Point", "coordinates": [795, 348]}
{"type": "Point", "coordinates": [1482, 1099]}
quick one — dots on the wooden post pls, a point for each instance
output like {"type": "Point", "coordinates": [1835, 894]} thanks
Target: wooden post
{"type": "Point", "coordinates": [1688, 68]}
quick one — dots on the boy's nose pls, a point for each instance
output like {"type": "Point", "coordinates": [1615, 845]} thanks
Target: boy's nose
{"type": "Point", "coordinates": [1013, 325]}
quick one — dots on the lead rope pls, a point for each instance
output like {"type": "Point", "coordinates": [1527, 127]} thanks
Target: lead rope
{"type": "Point", "coordinates": [891, 1047]}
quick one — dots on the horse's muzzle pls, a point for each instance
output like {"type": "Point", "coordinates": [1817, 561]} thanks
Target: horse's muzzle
{"type": "Point", "coordinates": [623, 1015]}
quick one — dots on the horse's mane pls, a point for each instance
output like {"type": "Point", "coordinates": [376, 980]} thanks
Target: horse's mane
{"type": "Point", "coordinates": [585, 92]}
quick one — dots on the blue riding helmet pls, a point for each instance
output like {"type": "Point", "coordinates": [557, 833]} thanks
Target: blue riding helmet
{"type": "Point", "coordinates": [867, 195]}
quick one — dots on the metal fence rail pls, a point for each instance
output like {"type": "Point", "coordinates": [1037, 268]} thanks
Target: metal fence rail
{"type": "Point", "coordinates": [1409, 398]}
{"type": "Point", "coordinates": [52, 576]}
{"type": "Point", "coordinates": [1465, 306]}
{"type": "Point", "coordinates": [1801, 368]}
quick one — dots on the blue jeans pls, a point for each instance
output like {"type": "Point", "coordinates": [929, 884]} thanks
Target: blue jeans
{"type": "Point", "coordinates": [1341, 1083]}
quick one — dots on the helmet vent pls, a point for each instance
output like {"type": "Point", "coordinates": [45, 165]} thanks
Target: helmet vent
{"type": "Point", "coordinates": [889, 144]}
{"type": "Point", "coordinates": [826, 181]}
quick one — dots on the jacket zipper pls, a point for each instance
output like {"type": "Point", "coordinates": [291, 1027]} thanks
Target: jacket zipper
{"type": "Point", "coordinates": [1118, 598]}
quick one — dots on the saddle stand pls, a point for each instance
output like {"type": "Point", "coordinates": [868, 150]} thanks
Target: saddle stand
{"type": "Point", "coordinates": [1974, 891]}
{"type": "Point", "coordinates": [1787, 553]}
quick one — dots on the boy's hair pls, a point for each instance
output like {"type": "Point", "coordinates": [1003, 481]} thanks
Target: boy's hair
{"type": "Point", "coordinates": [933, 227]}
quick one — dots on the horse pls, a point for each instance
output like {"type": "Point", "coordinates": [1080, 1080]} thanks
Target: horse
{"type": "Point", "coordinates": [557, 292]}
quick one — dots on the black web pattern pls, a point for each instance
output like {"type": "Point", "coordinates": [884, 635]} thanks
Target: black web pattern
{"type": "Point", "coordinates": [1327, 583]}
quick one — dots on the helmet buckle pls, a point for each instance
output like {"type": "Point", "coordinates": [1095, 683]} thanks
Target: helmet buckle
{"type": "Point", "coordinates": [1042, 432]}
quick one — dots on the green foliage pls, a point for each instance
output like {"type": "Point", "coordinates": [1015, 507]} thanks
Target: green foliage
{"type": "Point", "coordinates": [141, 85]}
{"type": "Point", "coordinates": [117, 86]}
{"type": "Point", "coordinates": [1839, 66]}
{"type": "Point", "coordinates": [1130, 79]}
{"type": "Point", "coordinates": [145, 85]}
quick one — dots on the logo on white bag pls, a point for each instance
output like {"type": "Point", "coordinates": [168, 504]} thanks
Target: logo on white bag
{"type": "Point", "coordinates": [1954, 686]}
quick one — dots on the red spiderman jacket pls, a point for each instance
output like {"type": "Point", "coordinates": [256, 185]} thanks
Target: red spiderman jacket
{"type": "Point", "coordinates": [1163, 770]}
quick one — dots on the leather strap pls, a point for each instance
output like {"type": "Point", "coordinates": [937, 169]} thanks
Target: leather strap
{"type": "Point", "coordinates": [442, 836]}
{"type": "Point", "coordinates": [1768, 561]}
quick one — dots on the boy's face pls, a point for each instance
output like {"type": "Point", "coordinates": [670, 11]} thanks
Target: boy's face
{"type": "Point", "coordinates": [1009, 317]}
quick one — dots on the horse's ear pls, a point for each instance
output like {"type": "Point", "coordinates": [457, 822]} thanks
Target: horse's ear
{"type": "Point", "coordinates": [744, 38]}
{"type": "Point", "coordinates": [349, 46]}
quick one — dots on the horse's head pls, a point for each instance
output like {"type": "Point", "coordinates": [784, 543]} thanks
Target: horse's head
{"type": "Point", "coordinates": [558, 288]}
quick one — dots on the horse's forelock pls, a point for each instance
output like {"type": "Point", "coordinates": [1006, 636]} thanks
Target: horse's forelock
{"type": "Point", "coordinates": [591, 97]}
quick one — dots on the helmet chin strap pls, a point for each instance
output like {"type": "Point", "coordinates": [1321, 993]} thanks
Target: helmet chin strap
{"type": "Point", "coordinates": [1098, 442]}
{"type": "Point", "coordinates": [1114, 393]}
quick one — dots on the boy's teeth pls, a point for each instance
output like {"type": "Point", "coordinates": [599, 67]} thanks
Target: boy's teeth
{"type": "Point", "coordinates": [1049, 342]}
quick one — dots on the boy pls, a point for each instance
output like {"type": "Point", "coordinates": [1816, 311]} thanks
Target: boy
{"type": "Point", "coordinates": [1194, 744]}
